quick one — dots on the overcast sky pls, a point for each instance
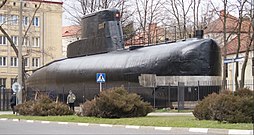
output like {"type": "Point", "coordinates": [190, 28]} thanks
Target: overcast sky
{"type": "Point", "coordinates": [66, 16]}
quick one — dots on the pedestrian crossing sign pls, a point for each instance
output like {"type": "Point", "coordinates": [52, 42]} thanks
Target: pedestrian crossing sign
{"type": "Point", "coordinates": [100, 77]}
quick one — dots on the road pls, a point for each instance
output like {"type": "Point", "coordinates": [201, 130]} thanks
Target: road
{"type": "Point", "coordinates": [8, 126]}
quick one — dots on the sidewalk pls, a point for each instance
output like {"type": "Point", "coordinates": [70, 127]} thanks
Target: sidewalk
{"type": "Point", "coordinates": [5, 112]}
{"type": "Point", "coordinates": [169, 114]}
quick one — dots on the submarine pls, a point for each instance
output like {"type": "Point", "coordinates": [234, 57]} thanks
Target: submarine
{"type": "Point", "coordinates": [101, 50]}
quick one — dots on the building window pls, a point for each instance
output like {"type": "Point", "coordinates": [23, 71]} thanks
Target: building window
{"type": "Point", "coordinates": [14, 61]}
{"type": "Point", "coordinates": [35, 62]}
{"type": "Point", "coordinates": [26, 62]}
{"type": "Point", "coordinates": [3, 61]}
{"type": "Point", "coordinates": [2, 82]}
{"type": "Point", "coordinates": [14, 3]}
{"type": "Point", "coordinates": [36, 21]}
{"type": "Point", "coordinates": [26, 41]}
{"type": "Point", "coordinates": [25, 20]}
{"type": "Point", "coordinates": [2, 40]}
{"type": "Point", "coordinates": [14, 20]}
{"type": "Point", "coordinates": [36, 42]}
{"type": "Point", "coordinates": [15, 40]}
{"type": "Point", "coordinates": [2, 19]}
{"type": "Point", "coordinates": [25, 5]}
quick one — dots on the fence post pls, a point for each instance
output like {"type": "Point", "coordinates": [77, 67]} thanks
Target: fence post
{"type": "Point", "coordinates": [198, 91]}
{"type": "Point", "coordinates": [63, 95]}
{"type": "Point", "coordinates": [180, 96]}
{"type": "Point", "coordinates": [169, 95]}
{"type": "Point", "coordinates": [0, 98]}
{"type": "Point", "coordinates": [83, 96]}
{"type": "Point", "coordinates": [154, 97]}
{"type": "Point", "coordinates": [4, 94]}
{"type": "Point", "coordinates": [7, 99]}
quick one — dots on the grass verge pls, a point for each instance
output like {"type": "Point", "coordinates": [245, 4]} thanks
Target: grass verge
{"type": "Point", "coordinates": [169, 121]}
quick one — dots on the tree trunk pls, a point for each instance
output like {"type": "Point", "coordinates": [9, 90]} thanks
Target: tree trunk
{"type": "Point", "coordinates": [224, 83]}
{"type": "Point", "coordinates": [239, 42]}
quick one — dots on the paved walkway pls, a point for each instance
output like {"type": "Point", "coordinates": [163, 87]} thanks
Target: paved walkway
{"type": "Point", "coordinates": [194, 130]}
{"type": "Point", "coordinates": [5, 112]}
{"type": "Point", "coordinates": [169, 114]}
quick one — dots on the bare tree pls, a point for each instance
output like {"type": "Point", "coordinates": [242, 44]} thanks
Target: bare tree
{"type": "Point", "coordinates": [239, 31]}
{"type": "Point", "coordinates": [228, 31]}
{"type": "Point", "coordinates": [147, 17]}
{"type": "Point", "coordinates": [179, 9]}
{"type": "Point", "coordinates": [78, 8]}
{"type": "Point", "coordinates": [223, 16]}
{"type": "Point", "coordinates": [250, 44]}
{"type": "Point", "coordinates": [185, 12]}
{"type": "Point", "coordinates": [224, 83]}
{"type": "Point", "coordinates": [13, 44]}
{"type": "Point", "coordinates": [196, 4]}
{"type": "Point", "coordinates": [175, 12]}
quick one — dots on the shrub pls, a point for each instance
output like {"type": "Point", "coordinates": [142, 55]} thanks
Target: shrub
{"type": "Point", "coordinates": [244, 92]}
{"type": "Point", "coordinates": [237, 108]}
{"type": "Point", "coordinates": [116, 103]}
{"type": "Point", "coordinates": [204, 110]}
{"type": "Point", "coordinates": [44, 106]}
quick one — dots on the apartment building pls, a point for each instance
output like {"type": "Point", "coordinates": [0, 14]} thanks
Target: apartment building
{"type": "Point", "coordinates": [42, 41]}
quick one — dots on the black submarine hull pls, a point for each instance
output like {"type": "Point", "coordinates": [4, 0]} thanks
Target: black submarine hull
{"type": "Point", "coordinates": [195, 57]}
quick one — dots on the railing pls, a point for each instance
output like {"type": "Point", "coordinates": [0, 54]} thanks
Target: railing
{"type": "Point", "coordinates": [160, 96]}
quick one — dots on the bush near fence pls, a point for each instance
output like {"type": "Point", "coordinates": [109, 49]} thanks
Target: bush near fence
{"type": "Point", "coordinates": [227, 107]}
{"type": "Point", "coordinates": [44, 106]}
{"type": "Point", "coordinates": [116, 103]}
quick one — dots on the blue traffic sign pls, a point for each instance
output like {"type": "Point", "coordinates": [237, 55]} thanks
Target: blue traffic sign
{"type": "Point", "coordinates": [100, 77]}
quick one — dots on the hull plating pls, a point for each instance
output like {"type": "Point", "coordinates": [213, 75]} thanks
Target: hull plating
{"type": "Point", "coordinates": [196, 57]}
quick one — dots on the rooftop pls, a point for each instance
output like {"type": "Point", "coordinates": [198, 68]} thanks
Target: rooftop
{"type": "Point", "coordinates": [231, 24]}
{"type": "Point", "coordinates": [73, 30]}
{"type": "Point", "coordinates": [46, 1]}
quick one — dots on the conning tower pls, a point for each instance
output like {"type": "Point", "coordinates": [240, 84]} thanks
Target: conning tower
{"type": "Point", "coordinates": [101, 32]}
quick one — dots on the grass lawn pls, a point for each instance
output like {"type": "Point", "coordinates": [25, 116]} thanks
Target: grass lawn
{"type": "Point", "coordinates": [167, 121]}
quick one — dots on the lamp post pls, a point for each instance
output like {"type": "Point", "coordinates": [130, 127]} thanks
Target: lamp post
{"type": "Point", "coordinates": [20, 72]}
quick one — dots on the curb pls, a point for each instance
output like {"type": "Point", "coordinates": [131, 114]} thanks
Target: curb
{"type": "Point", "coordinates": [170, 129]}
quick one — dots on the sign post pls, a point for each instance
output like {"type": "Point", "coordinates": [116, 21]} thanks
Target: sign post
{"type": "Point", "coordinates": [100, 78]}
{"type": "Point", "coordinates": [16, 88]}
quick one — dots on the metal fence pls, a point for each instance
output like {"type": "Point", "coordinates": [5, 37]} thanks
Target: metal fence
{"type": "Point", "coordinates": [5, 95]}
{"type": "Point", "coordinates": [184, 96]}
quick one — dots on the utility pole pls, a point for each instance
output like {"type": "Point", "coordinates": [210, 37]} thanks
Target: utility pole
{"type": "Point", "coordinates": [20, 72]}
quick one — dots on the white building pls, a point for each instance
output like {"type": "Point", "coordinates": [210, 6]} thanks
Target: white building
{"type": "Point", "coordinates": [215, 31]}
{"type": "Point", "coordinates": [69, 35]}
